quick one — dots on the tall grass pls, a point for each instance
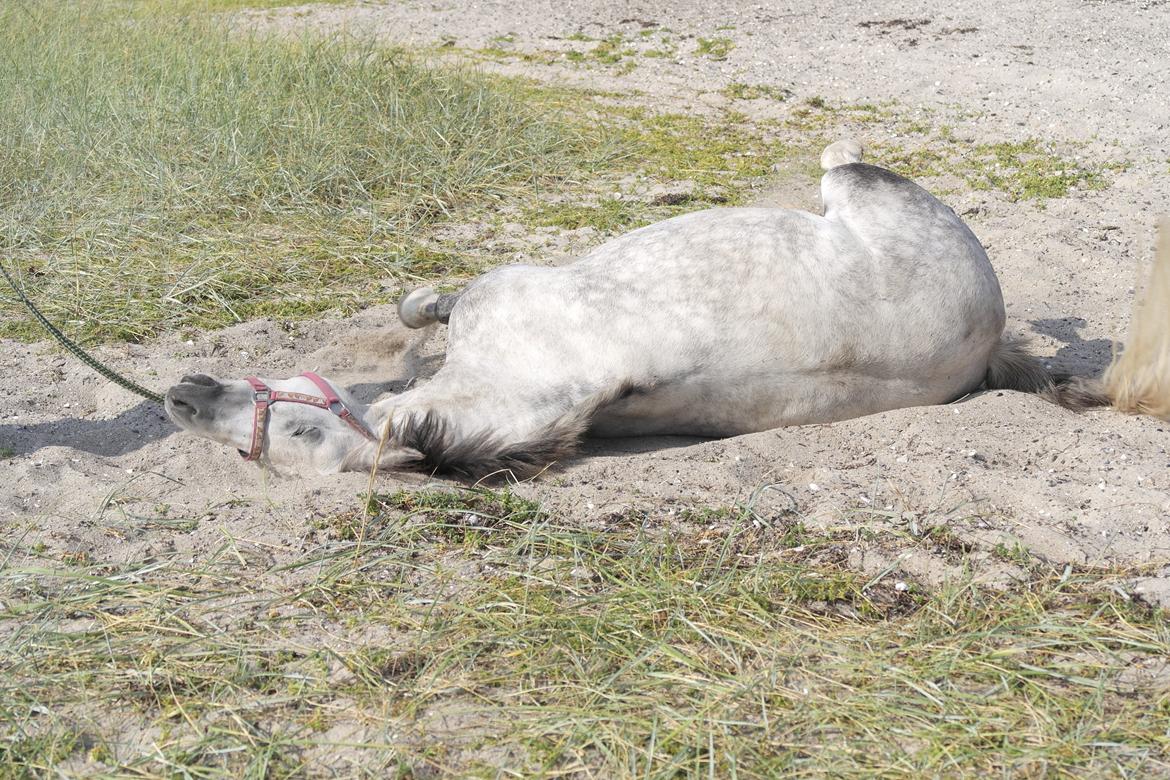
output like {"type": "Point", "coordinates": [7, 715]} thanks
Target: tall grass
{"type": "Point", "coordinates": [157, 168]}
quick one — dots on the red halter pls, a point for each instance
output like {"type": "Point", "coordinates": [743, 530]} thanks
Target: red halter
{"type": "Point", "coordinates": [264, 396]}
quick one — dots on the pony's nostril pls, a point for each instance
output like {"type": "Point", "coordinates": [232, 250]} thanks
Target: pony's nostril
{"type": "Point", "coordinates": [199, 379]}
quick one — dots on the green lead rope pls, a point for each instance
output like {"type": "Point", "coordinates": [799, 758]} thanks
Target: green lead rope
{"type": "Point", "coordinates": [77, 351]}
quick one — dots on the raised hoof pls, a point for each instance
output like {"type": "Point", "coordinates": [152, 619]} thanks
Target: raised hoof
{"type": "Point", "coordinates": [417, 309]}
{"type": "Point", "coordinates": [841, 153]}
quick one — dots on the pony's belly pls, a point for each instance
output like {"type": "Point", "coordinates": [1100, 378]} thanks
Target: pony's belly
{"type": "Point", "coordinates": [730, 408]}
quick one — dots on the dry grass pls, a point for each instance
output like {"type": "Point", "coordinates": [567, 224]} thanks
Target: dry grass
{"type": "Point", "coordinates": [472, 634]}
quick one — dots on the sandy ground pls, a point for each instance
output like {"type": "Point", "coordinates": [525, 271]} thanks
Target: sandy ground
{"type": "Point", "coordinates": [999, 469]}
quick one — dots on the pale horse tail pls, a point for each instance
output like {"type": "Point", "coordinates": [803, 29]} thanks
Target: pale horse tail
{"type": "Point", "coordinates": [1137, 381]}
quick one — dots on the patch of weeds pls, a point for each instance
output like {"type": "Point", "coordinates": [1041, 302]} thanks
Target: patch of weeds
{"type": "Point", "coordinates": [347, 526]}
{"type": "Point", "coordinates": [667, 48]}
{"type": "Point", "coordinates": [436, 503]}
{"type": "Point", "coordinates": [738, 90]}
{"type": "Point", "coordinates": [708, 152]}
{"type": "Point", "coordinates": [6, 453]}
{"type": "Point", "coordinates": [1015, 553]}
{"type": "Point", "coordinates": [716, 159]}
{"type": "Point", "coordinates": [666, 45]}
{"type": "Point", "coordinates": [471, 517]}
{"type": "Point", "coordinates": [943, 536]}
{"type": "Point", "coordinates": [797, 535]}
{"type": "Point", "coordinates": [816, 113]}
{"type": "Point", "coordinates": [914, 163]}
{"type": "Point", "coordinates": [611, 50]}
{"type": "Point", "coordinates": [608, 216]}
{"type": "Point", "coordinates": [39, 754]}
{"type": "Point", "coordinates": [705, 515]}
{"type": "Point", "coordinates": [1023, 170]}
{"type": "Point", "coordinates": [714, 48]}
{"type": "Point", "coordinates": [1028, 170]}
{"type": "Point", "coordinates": [377, 665]}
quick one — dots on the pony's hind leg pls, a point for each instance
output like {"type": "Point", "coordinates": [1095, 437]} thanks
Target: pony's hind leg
{"type": "Point", "coordinates": [841, 153]}
{"type": "Point", "coordinates": [425, 306]}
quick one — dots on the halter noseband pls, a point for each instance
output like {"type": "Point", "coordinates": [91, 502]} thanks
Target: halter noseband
{"type": "Point", "coordinates": [264, 396]}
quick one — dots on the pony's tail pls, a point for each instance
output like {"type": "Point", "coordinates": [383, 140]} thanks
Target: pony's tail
{"type": "Point", "coordinates": [1138, 379]}
{"type": "Point", "coordinates": [1012, 367]}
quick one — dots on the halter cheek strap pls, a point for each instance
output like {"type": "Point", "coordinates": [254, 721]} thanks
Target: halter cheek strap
{"type": "Point", "coordinates": [263, 397]}
{"type": "Point", "coordinates": [261, 400]}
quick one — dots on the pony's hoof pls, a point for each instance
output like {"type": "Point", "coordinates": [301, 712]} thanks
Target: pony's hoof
{"type": "Point", "coordinates": [841, 153]}
{"type": "Point", "coordinates": [417, 309]}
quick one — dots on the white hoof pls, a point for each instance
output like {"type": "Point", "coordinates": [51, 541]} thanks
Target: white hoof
{"type": "Point", "coordinates": [841, 153]}
{"type": "Point", "coordinates": [417, 309]}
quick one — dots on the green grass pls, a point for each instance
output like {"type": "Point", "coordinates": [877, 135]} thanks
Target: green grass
{"type": "Point", "coordinates": [720, 157]}
{"type": "Point", "coordinates": [608, 215]}
{"type": "Point", "coordinates": [714, 151]}
{"type": "Point", "coordinates": [158, 171]}
{"type": "Point", "coordinates": [1028, 170]}
{"type": "Point", "coordinates": [714, 48]}
{"type": "Point", "coordinates": [738, 90]}
{"type": "Point", "coordinates": [215, 6]}
{"type": "Point", "coordinates": [469, 631]}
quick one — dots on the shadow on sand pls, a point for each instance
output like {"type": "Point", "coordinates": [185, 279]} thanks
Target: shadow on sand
{"type": "Point", "coordinates": [129, 431]}
{"type": "Point", "coordinates": [1078, 356]}
{"type": "Point", "coordinates": [636, 445]}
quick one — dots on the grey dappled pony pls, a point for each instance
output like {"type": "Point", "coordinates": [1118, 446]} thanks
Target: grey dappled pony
{"type": "Point", "coordinates": [715, 323]}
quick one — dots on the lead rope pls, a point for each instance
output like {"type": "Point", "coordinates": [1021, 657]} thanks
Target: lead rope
{"type": "Point", "coordinates": [77, 351]}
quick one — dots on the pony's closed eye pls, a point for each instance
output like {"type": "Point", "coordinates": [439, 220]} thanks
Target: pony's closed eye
{"type": "Point", "coordinates": [307, 432]}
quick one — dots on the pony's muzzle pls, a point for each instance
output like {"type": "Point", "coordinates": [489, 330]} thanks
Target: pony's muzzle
{"type": "Point", "coordinates": [193, 398]}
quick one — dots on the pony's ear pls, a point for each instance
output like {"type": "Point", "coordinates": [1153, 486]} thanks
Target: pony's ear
{"type": "Point", "coordinates": [393, 457]}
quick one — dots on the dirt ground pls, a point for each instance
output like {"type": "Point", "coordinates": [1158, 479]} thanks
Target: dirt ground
{"type": "Point", "coordinates": [1000, 469]}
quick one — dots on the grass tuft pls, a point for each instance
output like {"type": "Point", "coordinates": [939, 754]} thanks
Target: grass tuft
{"type": "Point", "coordinates": [714, 48]}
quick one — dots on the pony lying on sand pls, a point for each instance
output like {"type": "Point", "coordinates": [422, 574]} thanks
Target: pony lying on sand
{"type": "Point", "coordinates": [715, 323]}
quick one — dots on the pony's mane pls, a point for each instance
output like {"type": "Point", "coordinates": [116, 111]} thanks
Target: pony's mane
{"type": "Point", "coordinates": [445, 450]}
